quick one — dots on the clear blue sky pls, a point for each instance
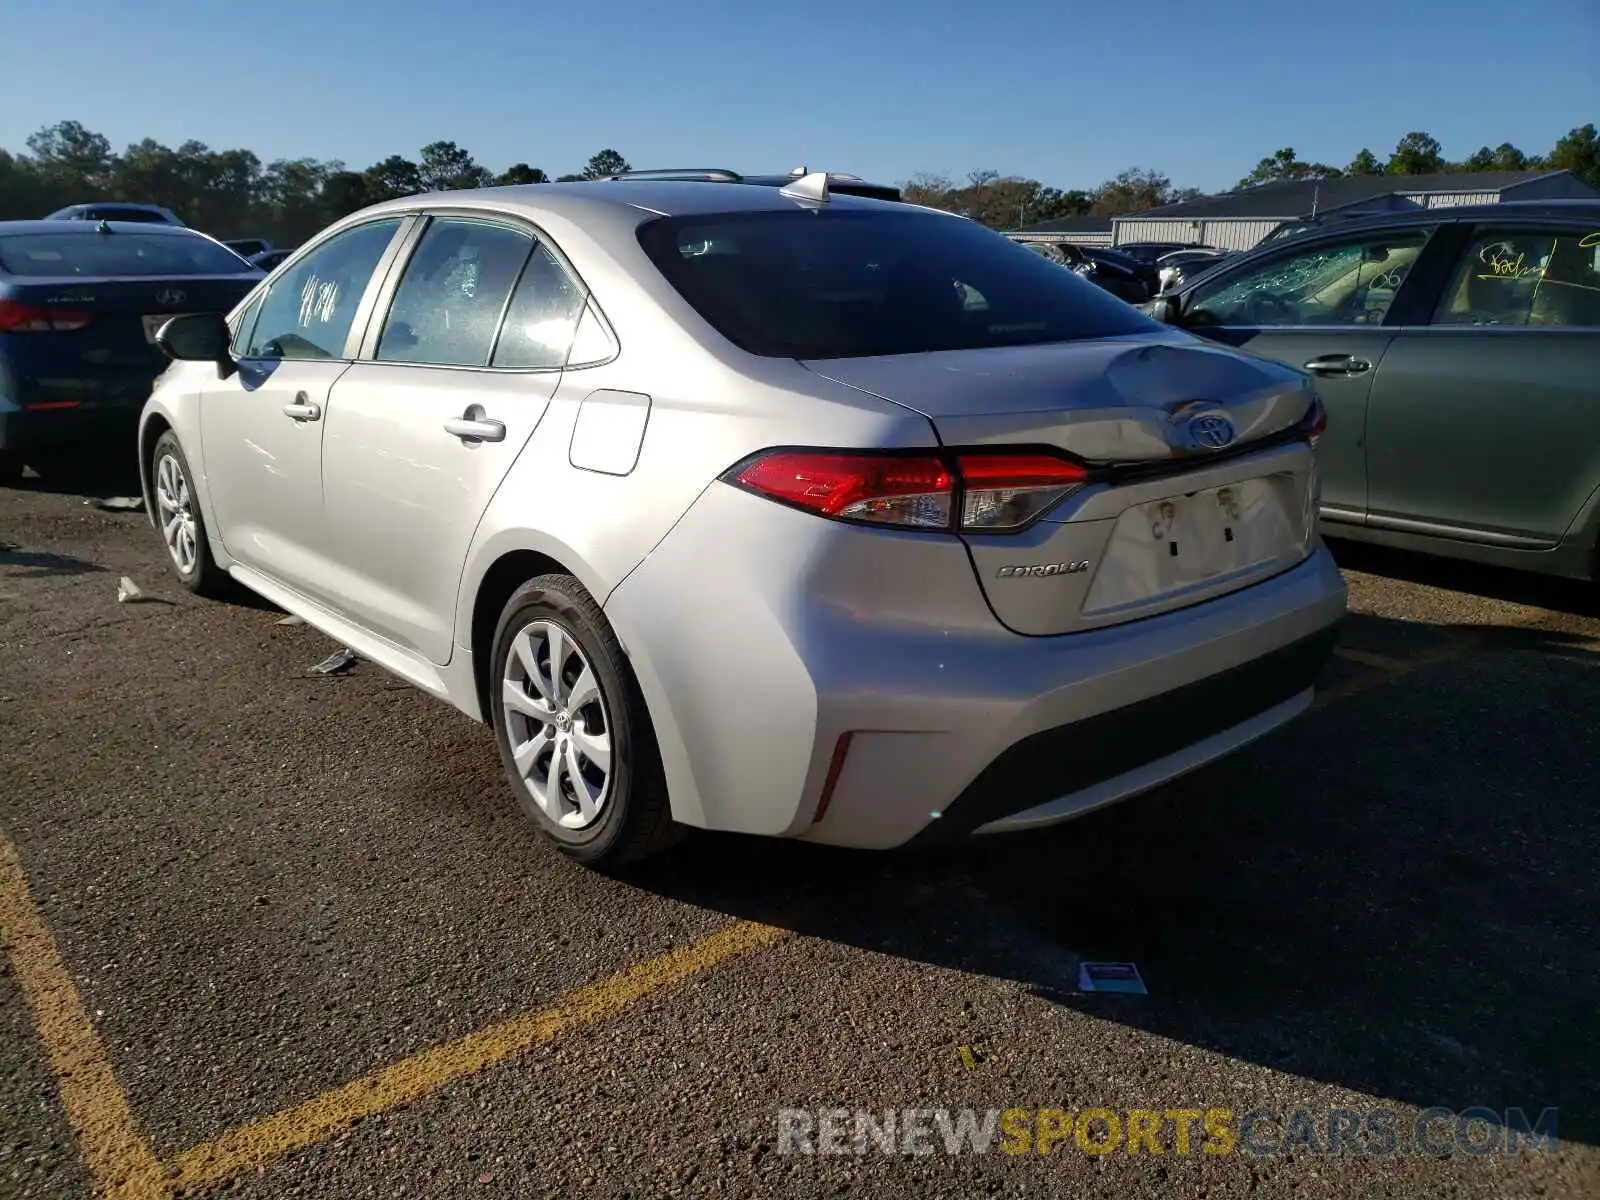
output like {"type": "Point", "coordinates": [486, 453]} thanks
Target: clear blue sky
{"type": "Point", "coordinates": [1070, 93]}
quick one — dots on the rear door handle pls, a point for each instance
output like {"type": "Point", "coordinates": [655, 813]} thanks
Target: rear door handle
{"type": "Point", "coordinates": [302, 409]}
{"type": "Point", "coordinates": [1338, 364]}
{"type": "Point", "coordinates": [474, 426]}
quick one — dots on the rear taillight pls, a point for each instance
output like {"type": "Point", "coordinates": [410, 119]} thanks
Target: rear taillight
{"type": "Point", "coordinates": [16, 317]}
{"type": "Point", "coordinates": [977, 491]}
{"type": "Point", "coordinates": [1002, 492]}
{"type": "Point", "coordinates": [883, 489]}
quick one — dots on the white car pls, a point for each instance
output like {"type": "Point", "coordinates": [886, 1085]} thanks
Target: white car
{"type": "Point", "coordinates": [753, 508]}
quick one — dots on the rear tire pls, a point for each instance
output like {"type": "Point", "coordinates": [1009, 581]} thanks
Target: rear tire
{"type": "Point", "coordinates": [573, 731]}
{"type": "Point", "coordinates": [11, 465]}
{"type": "Point", "coordinates": [178, 519]}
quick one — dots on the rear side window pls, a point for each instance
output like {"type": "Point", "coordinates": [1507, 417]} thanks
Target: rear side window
{"type": "Point", "coordinates": [839, 284]}
{"type": "Point", "coordinates": [447, 308]}
{"type": "Point", "coordinates": [543, 316]}
{"type": "Point", "coordinates": [103, 255]}
{"type": "Point", "coordinates": [1525, 277]}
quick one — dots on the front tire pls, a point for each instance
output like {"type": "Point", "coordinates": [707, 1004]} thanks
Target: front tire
{"type": "Point", "coordinates": [572, 728]}
{"type": "Point", "coordinates": [178, 518]}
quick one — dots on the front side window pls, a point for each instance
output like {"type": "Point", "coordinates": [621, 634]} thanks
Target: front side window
{"type": "Point", "coordinates": [447, 308]}
{"type": "Point", "coordinates": [308, 313]}
{"type": "Point", "coordinates": [1525, 277]}
{"type": "Point", "coordinates": [848, 283]}
{"type": "Point", "coordinates": [1347, 282]}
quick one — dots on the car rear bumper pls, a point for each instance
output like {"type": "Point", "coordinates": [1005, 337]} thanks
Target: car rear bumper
{"type": "Point", "coordinates": [763, 636]}
{"type": "Point", "coordinates": [45, 422]}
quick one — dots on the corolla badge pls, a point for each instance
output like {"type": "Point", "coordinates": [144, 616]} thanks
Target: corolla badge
{"type": "Point", "coordinates": [1044, 570]}
{"type": "Point", "coordinates": [170, 296]}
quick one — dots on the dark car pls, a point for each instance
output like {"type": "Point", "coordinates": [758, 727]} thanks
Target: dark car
{"type": "Point", "coordinates": [1458, 353]}
{"type": "Point", "coordinates": [1183, 266]}
{"type": "Point", "coordinates": [248, 247]}
{"type": "Point", "coordinates": [1145, 274]}
{"type": "Point", "coordinates": [80, 305]}
{"type": "Point", "coordinates": [1150, 251]}
{"type": "Point", "coordinates": [146, 214]}
{"type": "Point", "coordinates": [268, 260]}
{"type": "Point", "coordinates": [1120, 276]}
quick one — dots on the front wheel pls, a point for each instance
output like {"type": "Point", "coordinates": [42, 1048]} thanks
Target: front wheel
{"type": "Point", "coordinates": [573, 730]}
{"type": "Point", "coordinates": [178, 518]}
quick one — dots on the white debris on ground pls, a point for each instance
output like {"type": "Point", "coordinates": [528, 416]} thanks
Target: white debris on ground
{"type": "Point", "coordinates": [336, 663]}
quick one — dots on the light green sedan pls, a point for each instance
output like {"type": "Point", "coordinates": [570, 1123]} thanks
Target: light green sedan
{"type": "Point", "coordinates": [1458, 353]}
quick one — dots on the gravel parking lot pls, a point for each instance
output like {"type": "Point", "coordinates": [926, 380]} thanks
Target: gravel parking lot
{"type": "Point", "coordinates": [271, 933]}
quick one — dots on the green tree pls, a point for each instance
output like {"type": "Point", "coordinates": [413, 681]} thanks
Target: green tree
{"type": "Point", "coordinates": [1135, 190]}
{"type": "Point", "coordinates": [1364, 163]}
{"type": "Point", "coordinates": [1286, 164]}
{"type": "Point", "coordinates": [1578, 152]}
{"type": "Point", "coordinates": [345, 192]}
{"type": "Point", "coordinates": [446, 167]}
{"type": "Point", "coordinates": [1504, 157]}
{"type": "Point", "coordinates": [69, 153]}
{"type": "Point", "coordinates": [1416, 154]}
{"type": "Point", "coordinates": [521, 173]}
{"type": "Point", "coordinates": [392, 178]}
{"type": "Point", "coordinates": [1052, 204]}
{"type": "Point", "coordinates": [607, 162]}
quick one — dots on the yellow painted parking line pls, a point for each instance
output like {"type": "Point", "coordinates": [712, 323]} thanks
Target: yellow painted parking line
{"type": "Point", "coordinates": [1387, 668]}
{"type": "Point", "coordinates": [124, 1167]}
{"type": "Point", "coordinates": [120, 1161]}
{"type": "Point", "coordinates": [1370, 658]}
{"type": "Point", "coordinates": [249, 1145]}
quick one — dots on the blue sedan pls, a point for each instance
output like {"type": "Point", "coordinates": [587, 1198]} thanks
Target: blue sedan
{"type": "Point", "coordinates": [80, 305]}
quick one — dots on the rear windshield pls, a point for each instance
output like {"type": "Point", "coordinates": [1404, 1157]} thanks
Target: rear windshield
{"type": "Point", "coordinates": [149, 216]}
{"type": "Point", "coordinates": [103, 255]}
{"type": "Point", "coordinates": [842, 284]}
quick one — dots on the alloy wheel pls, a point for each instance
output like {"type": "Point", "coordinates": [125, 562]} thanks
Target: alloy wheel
{"type": "Point", "coordinates": [557, 724]}
{"type": "Point", "coordinates": [175, 512]}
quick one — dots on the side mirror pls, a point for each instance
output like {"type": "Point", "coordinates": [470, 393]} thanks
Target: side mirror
{"type": "Point", "coordinates": [198, 337]}
{"type": "Point", "coordinates": [1164, 308]}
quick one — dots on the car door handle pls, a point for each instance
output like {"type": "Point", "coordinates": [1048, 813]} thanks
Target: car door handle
{"type": "Point", "coordinates": [302, 409]}
{"type": "Point", "coordinates": [1338, 364]}
{"type": "Point", "coordinates": [473, 426]}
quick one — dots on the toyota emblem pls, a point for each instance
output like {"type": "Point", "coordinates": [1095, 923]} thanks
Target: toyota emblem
{"type": "Point", "coordinates": [170, 296]}
{"type": "Point", "coordinates": [1211, 431]}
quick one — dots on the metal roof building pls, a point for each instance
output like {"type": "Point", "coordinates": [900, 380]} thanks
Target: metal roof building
{"type": "Point", "coordinates": [1240, 219]}
{"type": "Point", "coordinates": [1080, 231]}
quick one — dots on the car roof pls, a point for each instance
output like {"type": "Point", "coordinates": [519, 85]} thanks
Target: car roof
{"type": "Point", "coordinates": [654, 197]}
{"type": "Point", "coordinates": [130, 205]}
{"type": "Point", "coordinates": [91, 228]}
{"type": "Point", "coordinates": [1572, 207]}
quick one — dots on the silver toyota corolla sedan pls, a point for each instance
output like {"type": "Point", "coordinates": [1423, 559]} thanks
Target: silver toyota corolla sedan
{"type": "Point", "coordinates": [756, 509]}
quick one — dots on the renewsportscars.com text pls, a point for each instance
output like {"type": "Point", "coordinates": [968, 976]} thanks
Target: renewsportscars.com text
{"type": "Point", "coordinates": [1259, 1132]}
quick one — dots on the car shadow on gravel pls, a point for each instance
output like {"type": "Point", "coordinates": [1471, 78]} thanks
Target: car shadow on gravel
{"type": "Point", "coordinates": [1395, 894]}
{"type": "Point", "coordinates": [1577, 597]}
{"type": "Point", "coordinates": [38, 564]}
{"type": "Point", "coordinates": [93, 470]}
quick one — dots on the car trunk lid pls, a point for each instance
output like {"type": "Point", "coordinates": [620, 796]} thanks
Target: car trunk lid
{"type": "Point", "coordinates": [89, 342]}
{"type": "Point", "coordinates": [1202, 479]}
